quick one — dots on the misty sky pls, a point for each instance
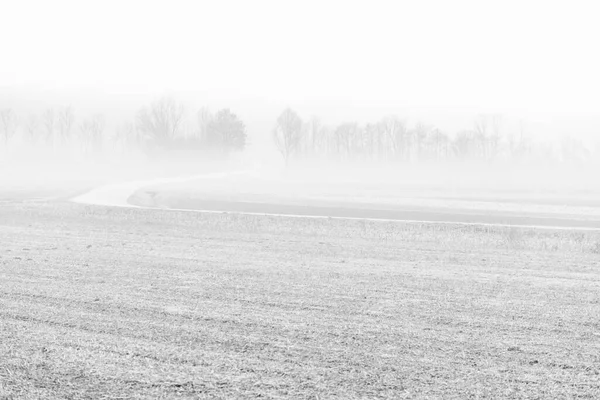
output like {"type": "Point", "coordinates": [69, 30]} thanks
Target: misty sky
{"type": "Point", "coordinates": [516, 57]}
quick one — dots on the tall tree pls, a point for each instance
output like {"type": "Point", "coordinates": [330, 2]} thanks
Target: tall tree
{"type": "Point", "coordinates": [463, 144]}
{"type": "Point", "coordinates": [495, 138]}
{"type": "Point", "coordinates": [66, 119]}
{"type": "Point", "coordinates": [49, 122]}
{"type": "Point", "coordinates": [315, 136]}
{"type": "Point", "coordinates": [481, 137]}
{"type": "Point", "coordinates": [204, 118]}
{"type": "Point", "coordinates": [31, 126]}
{"type": "Point", "coordinates": [128, 137]}
{"type": "Point", "coordinates": [440, 145]}
{"type": "Point", "coordinates": [91, 130]}
{"type": "Point", "coordinates": [371, 140]}
{"type": "Point", "coordinates": [347, 137]}
{"type": "Point", "coordinates": [520, 147]}
{"type": "Point", "coordinates": [287, 134]}
{"type": "Point", "coordinates": [161, 122]}
{"type": "Point", "coordinates": [420, 134]}
{"type": "Point", "coordinates": [226, 132]}
{"type": "Point", "coordinates": [397, 135]}
{"type": "Point", "coordinates": [8, 124]}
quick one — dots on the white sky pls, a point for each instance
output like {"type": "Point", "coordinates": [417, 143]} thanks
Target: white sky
{"type": "Point", "coordinates": [536, 56]}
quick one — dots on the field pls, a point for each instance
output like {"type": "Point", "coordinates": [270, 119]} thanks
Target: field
{"type": "Point", "coordinates": [100, 302]}
{"type": "Point", "coordinates": [520, 197]}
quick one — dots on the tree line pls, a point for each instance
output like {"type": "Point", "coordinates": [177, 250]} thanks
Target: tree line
{"type": "Point", "coordinates": [164, 127]}
{"type": "Point", "coordinates": [158, 128]}
{"type": "Point", "coordinates": [391, 139]}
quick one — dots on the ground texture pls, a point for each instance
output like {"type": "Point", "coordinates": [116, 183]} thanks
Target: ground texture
{"type": "Point", "coordinates": [130, 303]}
{"type": "Point", "coordinates": [395, 201]}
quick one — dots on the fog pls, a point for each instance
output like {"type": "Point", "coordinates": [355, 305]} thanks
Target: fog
{"type": "Point", "coordinates": [486, 97]}
{"type": "Point", "coordinates": [496, 154]}
{"type": "Point", "coordinates": [299, 199]}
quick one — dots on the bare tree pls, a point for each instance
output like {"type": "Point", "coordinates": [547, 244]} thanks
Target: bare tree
{"type": "Point", "coordinates": [287, 134]}
{"type": "Point", "coordinates": [463, 144]}
{"type": "Point", "coordinates": [397, 135]}
{"type": "Point", "coordinates": [161, 122]}
{"type": "Point", "coordinates": [8, 124]}
{"type": "Point", "coordinates": [204, 118]}
{"type": "Point", "coordinates": [32, 126]}
{"type": "Point", "coordinates": [495, 138]}
{"type": "Point", "coordinates": [372, 141]}
{"type": "Point", "coordinates": [313, 137]}
{"type": "Point", "coordinates": [381, 144]}
{"type": "Point", "coordinates": [66, 119]}
{"type": "Point", "coordinates": [347, 138]}
{"type": "Point", "coordinates": [325, 140]}
{"type": "Point", "coordinates": [420, 134]}
{"type": "Point", "coordinates": [128, 137]}
{"type": "Point", "coordinates": [353, 136]}
{"type": "Point", "coordinates": [85, 129]}
{"type": "Point", "coordinates": [92, 130]}
{"type": "Point", "coordinates": [481, 135]}
{"type": "Point", "coordinates": [520, 146]}
{"type": "Point", "coordinates": [438, 145]}
{"type": "Point", "coordinates": [49, 122]}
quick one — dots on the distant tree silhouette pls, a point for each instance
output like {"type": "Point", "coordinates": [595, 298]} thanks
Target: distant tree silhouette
{"type": "Point", "coordinates": [128, 137]}
{"type": "Point", "coordinates": [160, 123]}
{"type": "Point", "coordinates": [92, 130]}
{"type": "Point", "coordinates": [314, 136]}
{"type": "Point", "coordinates": [31, 127]}
{"type": "Point", "coordinates": [288, 134]}
{"type": "Point", "coordinates": [397, 135]}
{"type": "Point", "coordinates": [346, 136]}
{"type": "Point", "coordinates": [203, 118]}
{"type": "Point", "coordinates": [8, 124]}
{"type": "Point", "coordinates": [463, 144]}
{"type": "Point", "coordinates": [438, 145]}
{"type": "Point", "coordinates": [66, 119]}
{"type": "Point", "coordinates": [49, 121]}
{"type": "Point", "coordinates": [226, 132]}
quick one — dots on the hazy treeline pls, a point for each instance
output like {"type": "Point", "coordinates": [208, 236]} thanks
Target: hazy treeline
{"type": "Point", "coordinates": [165, 127]}
{"type": "Point", "coordinates": [162, 127]}
{"type": "Point", "coordinates": [391, 139]}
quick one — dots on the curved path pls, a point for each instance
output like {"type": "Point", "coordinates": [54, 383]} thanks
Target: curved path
{"type": "Point", "coordinates": [118, 195]}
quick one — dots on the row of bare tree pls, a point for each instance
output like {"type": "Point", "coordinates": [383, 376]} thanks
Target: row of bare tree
{"type": "Point", "coordinates": [157, 127]}
{"type": "Point", "coordinates": [53, 127]}
{"type": "Point", "coordinates": [391, 139]}
{"type": "Point", "coordinates": [160, 126]}
{"type": "Point", "coordinates": [163, 126]}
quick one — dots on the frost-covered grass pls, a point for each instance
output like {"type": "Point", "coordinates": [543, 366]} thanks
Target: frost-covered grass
{"type": "Point", "coordinates": [124, 303]}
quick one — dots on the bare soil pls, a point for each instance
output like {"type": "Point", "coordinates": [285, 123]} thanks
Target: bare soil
{"type": "Point", "coordinates": [128, 303]}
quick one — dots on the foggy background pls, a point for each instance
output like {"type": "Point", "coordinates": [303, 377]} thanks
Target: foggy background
{"type": "Point", "coordinates": [522, 72]}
